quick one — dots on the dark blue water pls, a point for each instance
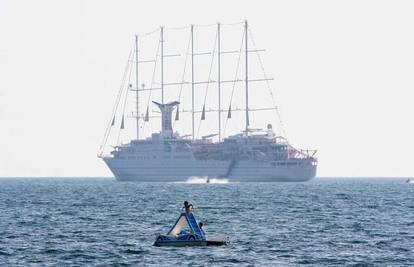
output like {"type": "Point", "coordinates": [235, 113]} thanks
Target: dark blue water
{"type": "Point", "coordinates": [100, 222]}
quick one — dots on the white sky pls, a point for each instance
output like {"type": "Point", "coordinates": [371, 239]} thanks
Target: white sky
{"type": "Point", "coordinates": [344, 75]}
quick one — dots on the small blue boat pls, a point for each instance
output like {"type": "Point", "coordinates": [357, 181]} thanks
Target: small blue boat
{"type": "Point", "coordinates": [178, 237]}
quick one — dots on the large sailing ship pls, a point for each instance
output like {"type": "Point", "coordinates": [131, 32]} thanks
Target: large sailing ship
{"type": "Point", "coordinates": [249, 154]}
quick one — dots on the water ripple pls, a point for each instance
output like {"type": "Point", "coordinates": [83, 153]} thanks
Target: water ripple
{"type": "Point", "coordinates": [100, 222]}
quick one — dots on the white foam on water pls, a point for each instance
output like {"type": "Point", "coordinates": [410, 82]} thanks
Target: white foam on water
{"type": "Point", "coordinates": [203, 180]}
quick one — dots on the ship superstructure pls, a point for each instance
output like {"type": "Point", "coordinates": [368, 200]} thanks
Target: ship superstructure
{"type": "Point", "coordinates": [167, 155]}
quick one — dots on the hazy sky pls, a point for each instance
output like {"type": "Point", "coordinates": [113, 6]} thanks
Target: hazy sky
{"type": "Point", "coordinates": [344, 77]}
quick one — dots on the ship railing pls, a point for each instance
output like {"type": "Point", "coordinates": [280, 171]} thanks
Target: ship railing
{"type": "Point", "coordinates": [301, 153]}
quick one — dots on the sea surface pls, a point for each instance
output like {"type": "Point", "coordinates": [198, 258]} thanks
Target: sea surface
{"type": "Point", "coordinates": [101, 222]}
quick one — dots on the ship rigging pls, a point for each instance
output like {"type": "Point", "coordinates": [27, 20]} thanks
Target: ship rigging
{"type": "Point", "coordinates": [228, 154]}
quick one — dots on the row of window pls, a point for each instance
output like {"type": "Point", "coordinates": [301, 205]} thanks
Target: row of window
{"type": "Point", "coordinates": [154, 157]}
{"type": "Point", "coordinates": [132, 157]}
{"type": "Point", "coordinates": [290, 163]}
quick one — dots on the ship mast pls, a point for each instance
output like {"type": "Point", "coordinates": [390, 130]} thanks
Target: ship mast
{"type": "Point", "coordinates": [192, 78]}
{"type": "Point", "coordinates": [136, 78]}
{"type": "Point", "coordinates": [219, 80]}
{"type": "Point", "coordinates": [162, 64]}
{"type": "Point", "coordinates": [246, 79]}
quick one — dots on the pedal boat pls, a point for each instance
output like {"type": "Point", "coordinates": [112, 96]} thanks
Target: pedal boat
{"type": "Point", "coordinates": [195, 237]}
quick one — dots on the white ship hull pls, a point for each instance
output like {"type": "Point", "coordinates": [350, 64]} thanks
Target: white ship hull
{"type": "Point", "coordinates": [181, 170]}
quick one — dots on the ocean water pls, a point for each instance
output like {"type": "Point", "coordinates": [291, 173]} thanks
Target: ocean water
{"type": "Point", "coordinates": [101, 222]}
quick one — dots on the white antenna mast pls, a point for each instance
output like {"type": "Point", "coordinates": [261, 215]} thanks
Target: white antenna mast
{"type": "Point", "coordinates": [219, 80]}
{"type": "Point", "coordinates": [247, 81]}
{"type": "Point", "coordinates": [136, 78]}
{"type": "Point", "coordinates": [192, 78]}
{"type": "Point", "coordinates": [162, 65]}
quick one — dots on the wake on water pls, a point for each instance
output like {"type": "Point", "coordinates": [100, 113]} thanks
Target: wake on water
{"type": "Point", "coordinates": [205, 180]}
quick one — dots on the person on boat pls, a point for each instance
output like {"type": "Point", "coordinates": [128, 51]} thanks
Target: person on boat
{"type": "Point", "coordinates": [188, 207]}
{"type": "Point", "coordinates": [200, 225]}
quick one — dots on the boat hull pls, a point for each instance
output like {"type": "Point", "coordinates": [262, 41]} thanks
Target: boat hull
{"type": "Point", "coordinates": [193, 243]}
{"type": "Point", "coordinates": [182, 170]}
{"type": "Point", "coordinates": [181, 243]}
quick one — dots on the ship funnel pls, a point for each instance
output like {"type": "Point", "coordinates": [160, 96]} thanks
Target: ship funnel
{"type": "Point", "coordinates": [166, 116]}
{"type": "Point", "coordinates": [270, 130]}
